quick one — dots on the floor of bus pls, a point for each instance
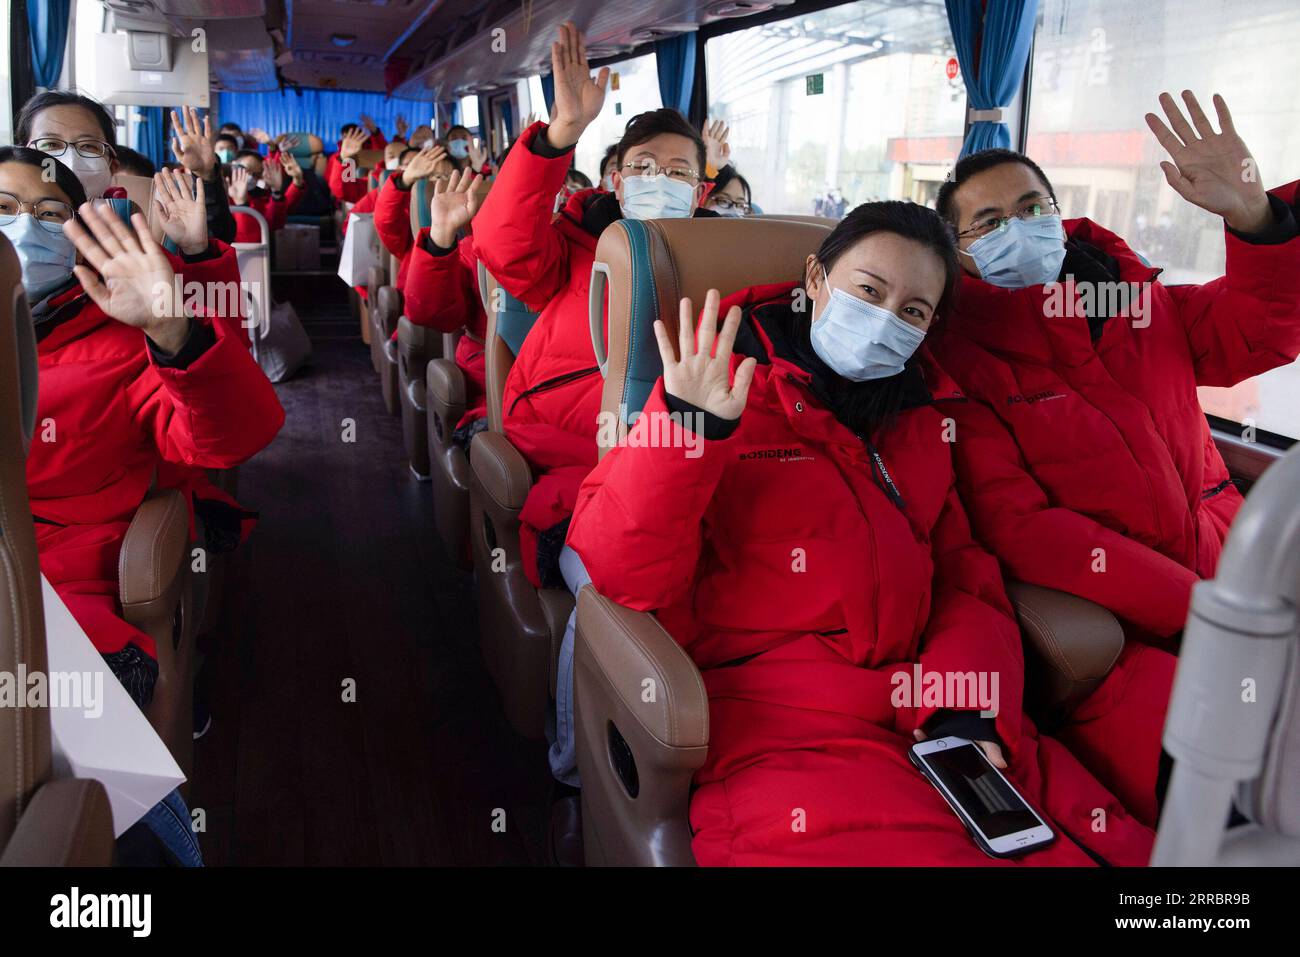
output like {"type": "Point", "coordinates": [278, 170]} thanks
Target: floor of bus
{"type": "Point", "coordinates": [345, 580]}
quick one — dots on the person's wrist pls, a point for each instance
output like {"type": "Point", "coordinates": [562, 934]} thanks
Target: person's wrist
{"type": "Point", "coordinates": [195, 247]}
{"type": "Point", "coordinates": [562, 134]}
{"type": "Point", "coordinates": [1254, 217]}
{"type": "Point", "coordinates": [442, 237]}
{"type": "Point", "coordinates": [168, 333]}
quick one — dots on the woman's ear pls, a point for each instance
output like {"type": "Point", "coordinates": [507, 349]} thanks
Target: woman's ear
{"type": "Point", "coordinates": [812, 280]}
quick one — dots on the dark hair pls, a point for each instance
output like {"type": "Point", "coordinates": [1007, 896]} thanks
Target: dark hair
{"type": "Point", "coordinates": [725, 177]}
{"type": "Point", "coordinates": [253, 153]}
{"type": "Point", "coordinates": [401, 157]}
{"type": "Point", "coordinates": [347, 128]}
{"type": "Point", "coordinates": [457, 129]}
{"type": "Point", "coordinates": [64, 177]}
{"type": "Point", "coordinates": [868, 406]}
{"type": "Point", "coordinates": [232, 126]}
{"type": "Point", "coordinates": [646, 126]}
{"type": "Point", "coordinates": [611, 153]}
{"type": "Point", "coordinates": [580, 177]}
{"type": "Point", "coordinates": [968, 166]}
{"type": "Point", "coordinates": [226, 136]}
{"type": "Point", "coordinates": [43, 101]}
{"type": "Point", "coordinates": [133, 163]}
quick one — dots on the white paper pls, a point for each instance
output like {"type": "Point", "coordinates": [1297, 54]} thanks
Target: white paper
{"type": "Point", "coordinates": [360, 249]}
{"type": "Point", "coordinates": [118, 747]}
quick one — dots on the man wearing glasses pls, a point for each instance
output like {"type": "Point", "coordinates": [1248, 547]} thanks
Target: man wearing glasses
{"type": "Point", "coordinates": [1085, 460]}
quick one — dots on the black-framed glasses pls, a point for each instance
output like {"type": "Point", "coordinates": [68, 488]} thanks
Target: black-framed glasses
{"type": "Point", "coordinates": [1040, 206]}
{"type": "Point", "coordinates": [727, 204]}
{"type": "Point", "coordinates": [648, 167]}
{"type": "Point", "coordinates": [90, 149]}
{"type": "Point", "coordinates": [48, 213]}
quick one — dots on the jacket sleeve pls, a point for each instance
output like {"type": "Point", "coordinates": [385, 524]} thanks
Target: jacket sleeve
{"type": "Point", "coordinates": [441, 285]}
{"type": "Point", "coordinates": [1248, 320]}
{"type": "Point", "coordinates": [344, 192]}
{"type": "Point", "coordinates": [221, 224]}
{"type": "Point", "coordinates": [516, 240]}
{"type": "Point", "coordinates": [216, 412]}
{"type": "Point", "coordinates": [393, 217]}
{"type": "Point", "coordinates": [971, 629]}
{"type": "Point", "coordinates": [1056, 547]}
{"type": "Point", "coordinates": [640, 515]}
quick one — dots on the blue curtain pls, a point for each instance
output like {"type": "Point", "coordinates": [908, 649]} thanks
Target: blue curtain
{"type": "Point", "coordinates": [992, 46]}
{"type": "Point", "coordinates": [47, 23]}
{"type": "Point", "coordinates": [676, 60]}
{"type": "Point", "coordinates": [318, 111]}
{"type": "Point", "coordinates": [152, 133]}
{"type": "Point", "coordinates": [548, 92]}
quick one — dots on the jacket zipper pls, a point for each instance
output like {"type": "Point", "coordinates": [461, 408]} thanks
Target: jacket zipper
{"type": "Point", "coordinates": [552, 383]}
{"type": "Point", "coordinates": [1211, 492]}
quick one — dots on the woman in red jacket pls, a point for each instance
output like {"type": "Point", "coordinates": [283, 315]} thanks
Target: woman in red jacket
{"type": "Point", "coordinates": [131, 381]}
{"type": "Point", "coordinates": [790, 512]}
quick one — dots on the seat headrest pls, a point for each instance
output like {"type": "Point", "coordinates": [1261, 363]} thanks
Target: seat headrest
{"type": "Point", "coordinates": [648, 266]}
{"type": "Point", "coordinates": [307, 144]}
{"type": "Point", "coordinates": [419, 206]}
{"type": "Point", "coordinates": [508, 323]}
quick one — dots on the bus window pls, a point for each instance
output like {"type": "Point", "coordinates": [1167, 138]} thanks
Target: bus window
{"type": "Point", "coordinates": [1095, 65]}
{"type": "Point", "coordinates": [6, 106]}
{"type": "Point", "coordinates": [839, 107]}
{"type": "Point", "coordinates": [637, 90]}
{"type": "Point", "coordinates": [469, 112]}
{"type": "Point", "coordinates": [536, 100]}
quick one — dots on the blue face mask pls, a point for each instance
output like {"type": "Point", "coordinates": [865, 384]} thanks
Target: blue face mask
{"type": "Point", "coordinates": [860, 340]}
{"type": "Point", "coordinates": [656, 197]}
{"type": "Point", "coordinates": [1024, 252]}
{"type": "Point", "coordinates": [46, 256]}
{"type": "Point", "coordinates": [458, 148]}
{"type": "Point", "coordinates": [225, 155]}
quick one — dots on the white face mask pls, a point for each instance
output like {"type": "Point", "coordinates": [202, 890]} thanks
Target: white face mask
{"type": "Point", "coordinates": [656, 197]}
{"type": "Point", "coordinates": [392, 162]}
{"type": "Point", "coordinates": [92, 171]}
{"type": "Point", "coordinates": [607, 182]}
{"type": "Point", "coordinates": [860, 340]}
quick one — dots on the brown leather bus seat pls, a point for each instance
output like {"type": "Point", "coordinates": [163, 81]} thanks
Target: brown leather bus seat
{"type": "Point", "coordinates": [42, 822]}
{"type": "Point", "coordinates": [520, 626]}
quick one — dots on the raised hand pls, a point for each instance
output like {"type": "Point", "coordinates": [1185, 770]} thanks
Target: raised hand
{"type": "Point", "coordinates": [1214, 171]}
{"type": "Point", "coordinates": [180, 202]}
{"type": "Point", "coordinates": [352, 143]}
{"type": "Point", "coordinates": [259, 135]}
{"type": "Point", "coordinates": [422, 164]}
{"type": "Point", "coordinates": [192, 143]}
{"type": "Point", "coordinates": [136, 285]}
{"type": "Point", "coordinates": [702, 376]}
{"type": "Point", "coordinates": [273, 173]}
{"type": "Point", "coordinates": [368, 122]}
{"type": "Point", "coordinates": [578, 98]}
{"type": "Point", "coordinates": [400, 126]}
{"type": "Point", "coordinates": [478, 154]}
{"type": "Point", "coordinates": [284, 142]}
{"type": "Point", "coordinates": [718, 149]}
{"type": "Point", "coordinates": [238, 185]}
{"type": "Point", "coordinates": [292, 167]}
{"type": "Point", "coordinates": [455, 201]}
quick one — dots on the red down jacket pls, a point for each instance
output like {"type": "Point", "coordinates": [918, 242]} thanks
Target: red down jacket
{"type": "Point", "coordinates": [109, 418]}
{"type": "Point", "coordinates": [779, 562]}
{"type": "Point", "coordinates": [552, 394]}
{"type": "Point", "coordinates": [1074, 447]}
{"type": "Point", "coordinates": [442, 294]}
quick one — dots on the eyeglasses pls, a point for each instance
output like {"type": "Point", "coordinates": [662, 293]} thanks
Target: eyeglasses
{"type": "Point", "coordinates": [1042, 206]}
{"type": "Point", "coordinates": [742, 207]}
{"type": "Point", "coordinates": [648, 167]}
{"type": "Point", "coordinates": [91, 149]}
{"type": "Point", "coordinates": [49, 213]}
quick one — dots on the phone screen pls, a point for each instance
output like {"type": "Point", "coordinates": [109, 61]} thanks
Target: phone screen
{"type": "Point", "coordinates": [992, 804]}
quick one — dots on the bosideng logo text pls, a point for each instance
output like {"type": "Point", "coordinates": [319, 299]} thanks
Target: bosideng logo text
{"type": "Point", "coordinates": [783, 455]}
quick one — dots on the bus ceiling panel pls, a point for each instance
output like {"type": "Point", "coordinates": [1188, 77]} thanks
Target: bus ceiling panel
{"type": "Point", "coordinates": [243, 71]}
{"type": "Point", "coordinates": [212, 9]}
{"type": "Point", "coordinates": [507, 40]}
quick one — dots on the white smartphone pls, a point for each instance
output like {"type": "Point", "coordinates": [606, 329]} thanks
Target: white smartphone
{"type": "Point", "coordinates": [1001, 821]}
